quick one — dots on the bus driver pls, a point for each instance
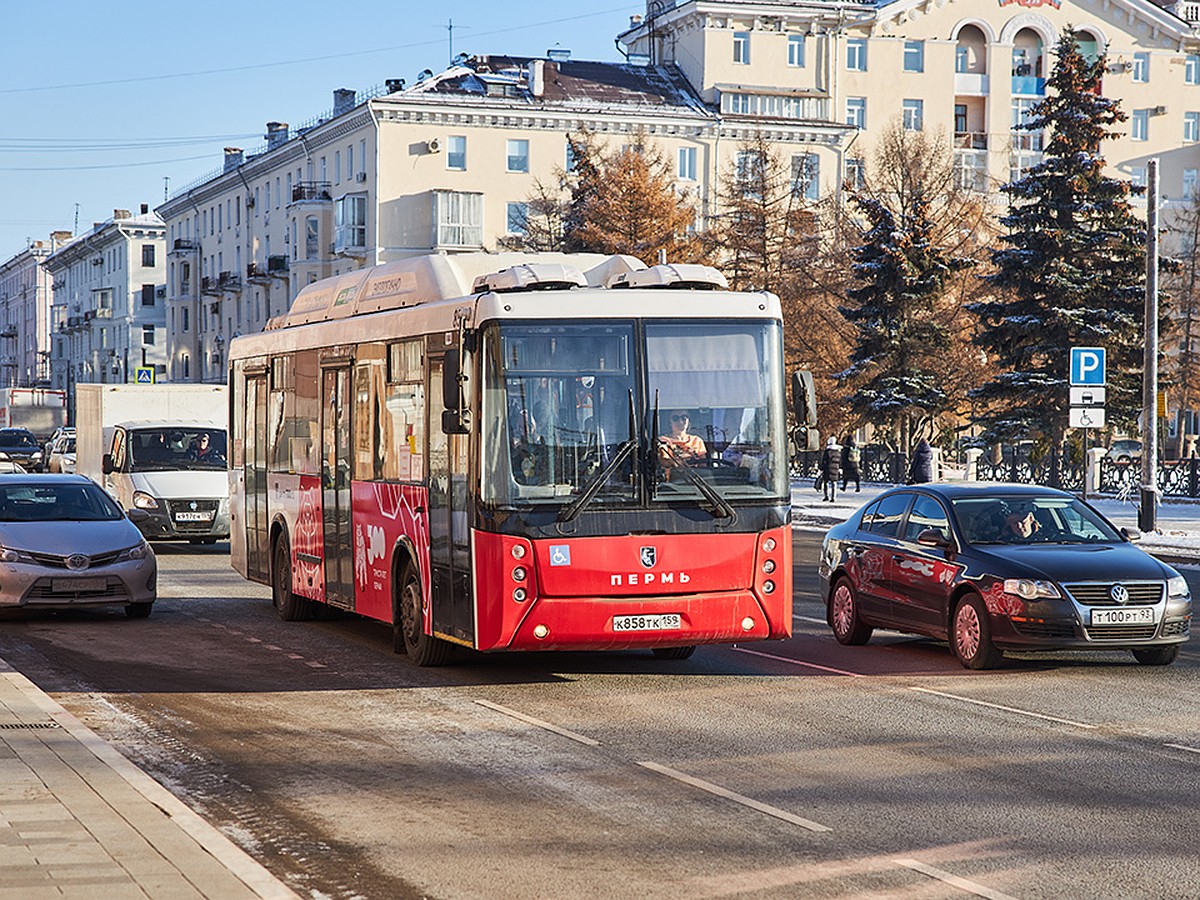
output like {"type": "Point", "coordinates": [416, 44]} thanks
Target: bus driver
{"type": "Point", "coordinates": [679, 445]}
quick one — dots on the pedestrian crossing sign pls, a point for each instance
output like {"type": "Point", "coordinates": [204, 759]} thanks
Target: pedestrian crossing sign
{"type": "Point", "coordinates": [144, 375]}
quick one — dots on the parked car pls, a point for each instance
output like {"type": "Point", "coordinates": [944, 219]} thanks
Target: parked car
{"type": "Point", "coordinates": [996, 567]}
{"type": "Point", "coordinates": [65, 544]}
{"type": "Point", "coordinates": [1125, 451]}
{"type": "Point", "coordinates": [20, 446]}
{"type": "Point", "coordinates": [62, 454]}
{"type": "Point", "coordinates": [58, 432]}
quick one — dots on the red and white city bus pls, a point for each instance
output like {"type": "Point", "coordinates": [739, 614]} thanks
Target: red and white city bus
{"type": "Point", "coordinates": [519, 452]}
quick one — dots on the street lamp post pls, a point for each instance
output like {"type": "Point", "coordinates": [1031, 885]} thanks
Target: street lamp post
{"type": "Point", "coordinates": [1147, 514]}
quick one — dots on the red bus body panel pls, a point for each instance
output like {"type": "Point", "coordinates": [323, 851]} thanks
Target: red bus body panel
{"type": "Point", "coordinates": [575, 586]}
{"type": "Point", "coordinates": [386, 515]}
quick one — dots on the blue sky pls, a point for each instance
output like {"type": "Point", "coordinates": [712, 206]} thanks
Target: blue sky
{"type": "Point", "coordinates": [99, 103]}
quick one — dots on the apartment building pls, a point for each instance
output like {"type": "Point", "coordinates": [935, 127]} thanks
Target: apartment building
{"type": "Point", "coordinates": [109, 300]}
{"type": "Point", "coordinates": [26, 291]}
{"type": "Point", "coordinates": [969, 70]}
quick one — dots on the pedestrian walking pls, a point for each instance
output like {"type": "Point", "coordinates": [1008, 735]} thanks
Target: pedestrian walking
{"type": "Point", "coordinates": [831, 468]}
{"type": "Point", "coordinates": [851, 454]}
{"type": "Point", "coordinates": [921, 469]}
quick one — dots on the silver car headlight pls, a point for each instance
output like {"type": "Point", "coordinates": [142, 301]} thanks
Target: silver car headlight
{"type": "Point", "coordinates": [141, 551]}
{"type": "Point", "coordinates": [1030, 589]}
{"type": "Point", "coordinates": [1177, 586]}
{"type": "Point", "coordinates": [9, 555]}
{"type": "Point", "coordinates": [142, 500]}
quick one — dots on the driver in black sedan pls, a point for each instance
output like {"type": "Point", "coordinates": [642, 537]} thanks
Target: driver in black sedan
{"type": "Point", "coordinates": [1020, 524]}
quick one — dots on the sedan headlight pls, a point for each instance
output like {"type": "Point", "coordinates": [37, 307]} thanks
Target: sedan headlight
{"type": "Point", "coordinates": [141, 551]}
{"type": "Point", "coordinates": [1030, 589]}
{"type": "Point", "coordinates": [37, 454]}
{"type": "Point", "coordinates": [142, 500]}
{"type": "Point", "coordinates": [1177, 586]}
{"type": "Point", "coordinates": [9, 556]}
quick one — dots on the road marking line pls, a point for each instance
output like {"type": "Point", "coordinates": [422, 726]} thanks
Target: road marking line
{"type": "Point", "coordinates": [961, 883]}
{"type": "Point", "coordinates": [539, 723]}
{"type": "Point", "coordinates": [1011, 709]}
{"type": "Point", "coordinates": [735, 797]}
{"type": "Point", "coordinates": [1183, 747]}
{"type": "Point", "coordinates": [815, 621]}
{"type": "Point", "coordinates": [799, 662]}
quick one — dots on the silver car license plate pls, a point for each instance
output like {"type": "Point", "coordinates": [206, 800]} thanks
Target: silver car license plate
{"type": "Point", "coordinates": [71, 585]}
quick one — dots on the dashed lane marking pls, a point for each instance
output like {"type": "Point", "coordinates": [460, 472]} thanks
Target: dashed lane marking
{"type": "Point", "coordinates": [1011, 709]}
{"type": "Point", "coordinates": [799, 662]}
{"type": "Point", "coordinates": [719, 791]}
{"type": "Point", "coordinates": [582, 739]}
{"type": "Point", "coordinates": [961, 883]}
{"type": "Point", "coordinates": [1183, 747]}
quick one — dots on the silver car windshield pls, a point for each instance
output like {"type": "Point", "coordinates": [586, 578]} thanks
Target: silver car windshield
{"type": "Point", "coordinates": [68, 502]}
{"type": "Point", "coordinates": [1021, 519]}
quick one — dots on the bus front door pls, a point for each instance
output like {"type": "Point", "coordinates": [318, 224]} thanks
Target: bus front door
{"type": "Point", "coordinates": [449, 533]}
{"type": "Point", "coordinates": [335, 486]}
{"type": "Point", "coordinates": [255, 479]}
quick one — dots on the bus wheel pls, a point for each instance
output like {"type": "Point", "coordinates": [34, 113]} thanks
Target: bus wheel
{"type": "Point", "coordinates": [408, 625]}
{"type": "Point", "coordinates": [673, 652]}
{"type": "Point", "coordinates": [290, 607]}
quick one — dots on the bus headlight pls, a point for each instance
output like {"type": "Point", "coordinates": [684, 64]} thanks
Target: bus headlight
{"type": "Point", "coordinates": [518, 551]}
{"type": "Point", "coordinates": [518, 574]}
{"type": "Point", "coordinates": [519, 594]}
{"type": "Point", "coordinates": [769, 566]}
{"type": "Point", "coordinates": [768, 587]}
{"type": "Point", "coordinates": [769, 544]}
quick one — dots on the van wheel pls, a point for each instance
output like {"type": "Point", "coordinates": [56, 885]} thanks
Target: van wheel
{"type": "Point", "coordinates": [290, 607]}
{"type": "Point", "coordinates": [408, 624]}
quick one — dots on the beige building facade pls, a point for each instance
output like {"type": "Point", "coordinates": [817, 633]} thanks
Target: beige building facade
{"type": "Point", "coordinates": [26, 298]}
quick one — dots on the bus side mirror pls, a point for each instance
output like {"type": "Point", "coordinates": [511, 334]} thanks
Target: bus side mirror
{"type": "Point", "coordinates": [804, 398]}
{"type": "Point", "coordinates": [455, 419]}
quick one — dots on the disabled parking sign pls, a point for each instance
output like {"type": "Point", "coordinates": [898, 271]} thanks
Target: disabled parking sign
{"type": "Point", "coordinates": [1087, 366]}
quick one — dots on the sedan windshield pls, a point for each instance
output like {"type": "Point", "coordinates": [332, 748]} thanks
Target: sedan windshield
{"type": "Point", "coordinates": [1021, 519]}
{"type": "Point", "coordinates": [20, 440]}
{"type": "Point", "coordinates": [45, 502]}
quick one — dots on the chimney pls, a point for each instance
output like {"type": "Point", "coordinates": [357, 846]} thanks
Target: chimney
{"type": "Point", "coordinates": [277, 134]}
{"type": "Point", "coordinates": [537, 77]}
{"type": "Point", "coordinates": [57, 238]}
{"type": "Point", "coordinates": [233, 158]}
{"type": "Point", "coordinates": [145, 208]}
{"type": "Point", "coordinates": [343, 101]}
{"type": "Point", "coordinates": [121, 214]}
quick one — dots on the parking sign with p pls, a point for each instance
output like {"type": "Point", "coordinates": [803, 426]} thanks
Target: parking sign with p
{"type": "Point", "coordinates": [1087, 366]}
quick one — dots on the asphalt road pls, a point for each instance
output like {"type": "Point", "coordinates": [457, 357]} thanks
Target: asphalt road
{"type": "Point", "coordinates": [799, 768]}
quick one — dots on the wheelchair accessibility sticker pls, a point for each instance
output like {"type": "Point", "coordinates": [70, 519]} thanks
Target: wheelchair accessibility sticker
{"type": "Point", "coordinates": [560, 554]}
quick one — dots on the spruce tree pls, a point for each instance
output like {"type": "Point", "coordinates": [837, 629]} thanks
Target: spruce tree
{"type": "Point", "coordinates": [1072, 268]}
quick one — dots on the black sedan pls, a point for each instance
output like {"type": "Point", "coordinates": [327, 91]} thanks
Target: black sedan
{"type": "Point", "coordinates": [20, 446]}
{"type": "Point", "coordinates": [999, 566]}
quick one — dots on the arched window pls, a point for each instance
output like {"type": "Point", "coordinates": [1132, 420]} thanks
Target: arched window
{"type": "Point", "coordinates": [970, 56]}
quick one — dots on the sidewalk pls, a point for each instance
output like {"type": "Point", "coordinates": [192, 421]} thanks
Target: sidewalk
{"type": "Point", "coordinates": [1176, 539]}
{"type": "Point", "coordinates": [78, 819]}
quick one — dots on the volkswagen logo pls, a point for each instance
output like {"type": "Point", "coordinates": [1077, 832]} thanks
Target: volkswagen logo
{"type": "Point", "coordinates": [1119, 593]}
{"type": "Point", "coordinates": [649, 557]}
{"type": "Point", "coordinates": [78, 561]}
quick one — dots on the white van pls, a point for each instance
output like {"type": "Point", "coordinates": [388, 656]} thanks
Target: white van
{"type": "Point", "coordinates": [170, 477]}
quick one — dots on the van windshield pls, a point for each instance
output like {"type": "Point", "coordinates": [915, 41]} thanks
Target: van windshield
{"type": "Point", "coordinates": [166, 449]}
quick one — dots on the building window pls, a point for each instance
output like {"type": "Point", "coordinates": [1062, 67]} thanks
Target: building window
{"type": "Point", "coordinates": [796, 50]}
{"type": "Point", "coordinates": [687, 163]}
{"type": "Point", "coordinates": [518, 156]}
{"type": "Point", "coordinates": [1191, 127]}
{"type": "Point", "coordinates": [516, 220]}
{"type": "Point", "coordinates": [962, 59]}
{"type": "Point", "coordinates": [774, 106]}
{"type": "Point", "coordinates": [351, 222]}
{"type": "Point", "coordinates": [856, 111]}
{"type": "Point", "coordinates": [312, 236]}
{"type": "Point", "coordinates": [806, 176]}
{"type": "Point", "coordinates": [856, 171]}
{"type": "Point", "coordinates": [914, 56]}
{"type": "Point", "coordinates": [1139, 125]}
{"type": "Point", "coordinates": [1191, 68]}
{"type": "Point", "coordinates": [750, 173]}
{"type": "Point", "coordinates": [572, 161]}
{"type": "Point", "coordinates": [185, 319]}
{"type": "Point", "coordinates": [1141, 67]}
{"type": "Point", "coordinates": [147, 295]}
{"type": "Point", "coordinates": [148, 256]}
{"type": "Point", "coordinates": [148, 335]}
{"type": "Point", "coordinates": [457, 219]}
{"type": "Point", "coordinates": [1137, 176]}
{"type": "Point", "coordinates": [456, 152]}
{"type": "Point", "coordinates": [741, 47]}
{"type": "Point", "coordinates": [914, 115]}
{"type": "Point", "coordinates": [1189, 183]}
{"type": "Point", "coordinates": [856, 54]}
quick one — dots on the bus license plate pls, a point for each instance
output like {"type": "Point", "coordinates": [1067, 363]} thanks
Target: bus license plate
{"type": "Point", "coordinates": [654, 622]}
{"type": "Point", "coordinates": [1142, 615]}
{"type": "Point", "coordinates": [192, 516]}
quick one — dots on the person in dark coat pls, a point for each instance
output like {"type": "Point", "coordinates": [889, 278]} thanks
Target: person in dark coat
{"type": "Point", "coordinates": [921, 469]}
{"type": "Point", "coordinates": [831, 468]}
{"type": "Point", "coordinates": [850, 458]}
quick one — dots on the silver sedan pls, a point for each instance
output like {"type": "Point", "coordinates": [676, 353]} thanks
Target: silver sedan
{"type": "Point", "coordinates": [65, 544]}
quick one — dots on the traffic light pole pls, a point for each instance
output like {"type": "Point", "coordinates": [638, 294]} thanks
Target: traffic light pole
{"type": "Point", "coordinates": [1148, 512]}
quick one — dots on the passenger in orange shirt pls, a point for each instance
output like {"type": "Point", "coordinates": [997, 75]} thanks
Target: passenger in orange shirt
{"type": "Point", "coordinates": [686, 446]}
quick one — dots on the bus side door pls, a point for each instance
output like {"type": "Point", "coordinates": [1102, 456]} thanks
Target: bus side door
{"type": "Point", "coordinates": [449, 530]}
{"type": "Point", "coordinates": [336, 406]}
{"type": "Point", "coordinates": [257, 521]}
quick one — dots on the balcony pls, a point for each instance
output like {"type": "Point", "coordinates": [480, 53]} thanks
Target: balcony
{"type": "Point", "coordinates": [104, 312]}
{"type": "Point", "coordinates": [971, 84]}
{"type": "Point", "coordinates": [9, 332]}
{"type": "Point", "coordinates": [277, 265]}
{"type": "Point", "coordinates": [1028, 86]}
{"type": "Point", "coordinates": [311, 190]}
{"type": "Point", "coordinates": [184, 245]}
{"type": "Point", "coordinates": [971, 170]}
{"type": "Point", "coordinates": [256, 274]}
{"type": "Point", "coordinates": [209, 285]}
{"type": "Point", "coordinates": [970, 140]}
{"type": "Point", "coordinates": [229, 281]}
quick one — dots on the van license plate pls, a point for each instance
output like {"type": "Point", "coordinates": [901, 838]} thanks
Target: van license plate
{"type": "Point", "coordinates": [655, 622]}
{"type": "Point", "coordinates": [192, 516]}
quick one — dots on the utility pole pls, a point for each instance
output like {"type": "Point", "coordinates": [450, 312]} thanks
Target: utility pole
{"type": "Point", "coordinates": [1147, 515]}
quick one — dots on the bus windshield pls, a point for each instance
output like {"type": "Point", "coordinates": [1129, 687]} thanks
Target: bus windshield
{"type": "Point", "coordinates": [567, 405]}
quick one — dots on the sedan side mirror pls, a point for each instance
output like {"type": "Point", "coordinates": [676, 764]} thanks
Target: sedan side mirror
{"type": "Point", "coordinates": [1131, 534]}
{"type": "Point", "coordinates": [933, 537]}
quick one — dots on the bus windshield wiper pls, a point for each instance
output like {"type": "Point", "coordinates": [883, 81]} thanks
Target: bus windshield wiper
{"type": "Point", "coordinates": [720, 504]}
{"type": "Point", "coordinates": [598, 481]}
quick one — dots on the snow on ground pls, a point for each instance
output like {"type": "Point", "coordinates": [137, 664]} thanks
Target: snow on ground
{"type": "Point", "coordinates": [1177, 536]}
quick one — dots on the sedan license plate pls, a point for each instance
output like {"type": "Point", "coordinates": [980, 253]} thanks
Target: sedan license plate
{"type": "Point", "coordinates": [653, 622]}
{"type": "Point", "coordinates": [1140, 615]}
{"type": "Point", "coordinates": [192, 516]}
{"type": "Point", "coordinates": [71, 585]}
